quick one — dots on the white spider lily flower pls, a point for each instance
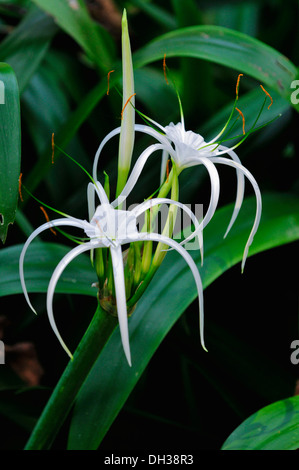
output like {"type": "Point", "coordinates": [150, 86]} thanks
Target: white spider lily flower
{"type": "Point", "coordinates": [188, 149]}
{"type": "Point", "coordinates": [111, 228]}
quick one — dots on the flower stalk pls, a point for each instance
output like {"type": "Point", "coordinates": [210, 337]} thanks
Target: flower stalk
{"type": "Point", "coordinates": [126, 139]}
{"type": "Point", "coordinates": [62, 399]}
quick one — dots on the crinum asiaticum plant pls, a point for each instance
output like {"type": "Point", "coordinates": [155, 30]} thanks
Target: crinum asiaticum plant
{"type": "Point", "coordinates": [125, 251]}
{"type": "Point", "coordinates": [123, 275]}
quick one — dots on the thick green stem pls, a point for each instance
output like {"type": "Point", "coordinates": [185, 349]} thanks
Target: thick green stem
{"type": "Point", "coordinates": [65, 392]}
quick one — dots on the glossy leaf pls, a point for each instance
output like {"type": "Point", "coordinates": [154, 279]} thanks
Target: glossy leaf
{"type": "Point", "coordinates": [171, 292]}
{"type": "Point", "coordinates": [26, 46]}
{"type": "Point", "coordinates": [226, 47]}
{"type": "Point", "coordinates": [215, 44]}
{"type": "Point", "coordinates": [10, 147]}
{"type": "Point", "coordinates": [40, 262]}
{"type": "Point", "coordinates": [275, 427]}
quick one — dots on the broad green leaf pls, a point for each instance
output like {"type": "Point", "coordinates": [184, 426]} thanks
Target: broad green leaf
{"type": "Point", "coordinates": [75, 20]}
{"type": "Point", "coordinates": [10, 147]}
{"type": "Point", "coordinates": [226, 47]}
{"type": "Point", "coordinates": [171, 292]}
{"type": "Point", "coordinates": [215, 44]}
{"type": "Point", "coordinates": [275, 427]}
{"type": "Point", "coordinates": [27, 45]}
{"type": "Point", "coordinates": [40, 262]}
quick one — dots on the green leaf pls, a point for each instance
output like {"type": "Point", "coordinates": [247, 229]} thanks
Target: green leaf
{"type": "Point", "coordinates": [27, 45]}
{"type": "Point", "coordinates": [226, 47]}
{"type": "Point", "coordinates": [75, 20]}
{"type": "Point", "coordinates": [10, 147]}
{"type": "Point", "coordinates": [215, 44]}
{"type": "Point", "coordinates": [172, 290]}
{"type": "Point", "coordinates": [40, 261]}
{"type": "Point", "coordinates": [275, 427]}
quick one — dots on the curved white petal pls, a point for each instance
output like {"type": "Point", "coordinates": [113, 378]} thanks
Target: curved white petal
{"type": "Point", "coordinates": [121, 302]}
{"type": "Point", "coordinates": [153, 133]}
{"type": "Point", "coordinates": [139, 128]}
{"type": "Point", "coordinates": [215, 191]}
{"type": "Point", "coordinates": [91, 200]}
{"type": "Point", "coordinates": [54, 223]}
{"type": "Point", "coordinates": [159, 201]}
{"type": "Point", "coordinates": [100, 148]}
{"type": "Point", "coordinates": [52, 284]}
{"type": "Point", "coordinates": [226, 161]}
{"type": "Point", "coordinates": [189, 260]}
{"type": "Point", "coordinates": [240, 187]}
{"type": "Point", "coordinates": [135, 173]}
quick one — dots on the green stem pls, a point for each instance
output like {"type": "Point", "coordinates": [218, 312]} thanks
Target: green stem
{"type": "Point", "coordinates": [60, 403]}
{"type": "Point", "coordinates": [172, 184]}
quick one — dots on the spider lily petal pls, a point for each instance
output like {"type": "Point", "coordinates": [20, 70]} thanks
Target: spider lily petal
{"type": "Point", "coordinates": [53, 282]}
{"type": "Point", "coordinates": [121, 302]}
{"type": "Point", "coordinates": [139, 128]}
{"type": "Point", "coordinates": [240, 187]}
{"type": "Point", "coordinates": [173, 244]}
{"type": "Point", "coordinates": [135, 173]}
{"type": "Point", "coordinates": [226, 161]}
{"type": "Point", "coordinates": [55, 223]}
{"type": "Point", "coordinates": [215, 188]}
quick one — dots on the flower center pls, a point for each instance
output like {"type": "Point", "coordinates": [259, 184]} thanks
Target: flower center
{"type": "Point", "coordinates": [111, 226]}
{"type": "Point", "coordinates": [188, 144]}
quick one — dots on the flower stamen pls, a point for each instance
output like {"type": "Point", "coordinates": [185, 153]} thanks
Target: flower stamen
{"type": "Point", "coordinates": [53, 148]}
{"type": "Point", "coordinates": [243, 119]}
{"type": "Point", "coordinates": [128, 100]}
{"type": "Point", "coordinates": [20, 187]}
{"type": "Point", "coordinates": [268, 94]}
{"type": "Point", "coordinates": [238, 84]}
{"type": "Point", "coordinates": [164, 69]}
{"type": "Point", "coordinates": [108, 80]}
{"type": "Point", "coordinates": [47, 219]}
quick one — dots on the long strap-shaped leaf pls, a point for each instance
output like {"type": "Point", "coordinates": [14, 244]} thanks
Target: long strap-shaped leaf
{"type": "Point", "coordinates": [217, 44]}
{"type": "Point", "coordinates": [10, 147]}
{"type": "Point", "coordinates": [226, 47]}
{"type": "Point", "coordinates": [111, 380]}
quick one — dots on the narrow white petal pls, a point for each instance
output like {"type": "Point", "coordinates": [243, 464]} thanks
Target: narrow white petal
{"type": "Point", "coordinates": [226, 161]}
{"type": "Point", "coordinates": [153, 133]}
{"type": "Point", "coordinates": [135, 173]}
{"type": "Point", "coordinates": [54, 223]}
{"type": "Point", "coordinates": [91, 200]}
{"type": "Point", "coordinates": [139, 128]}
{"type": "Point", "coordinates": [101, 146]}
{"type": "Point", "coordinates": [215, 190]}
{"type": "Point", "coordinates": [99, 189]}
{"type": "Point", "coordinates": [121, 302]}
{"type": "Point", "coordinates": [240, 187]}
{"type": "Point", "coordinates": [155, 124]}
{"type": "Point", "coordinates": [189, 260]}
{"type": "Point", "coordinates": [52, 284]}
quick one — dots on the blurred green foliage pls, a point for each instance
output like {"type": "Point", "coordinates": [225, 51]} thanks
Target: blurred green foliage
{"type": "Point", "coordinates": [61, 52]}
